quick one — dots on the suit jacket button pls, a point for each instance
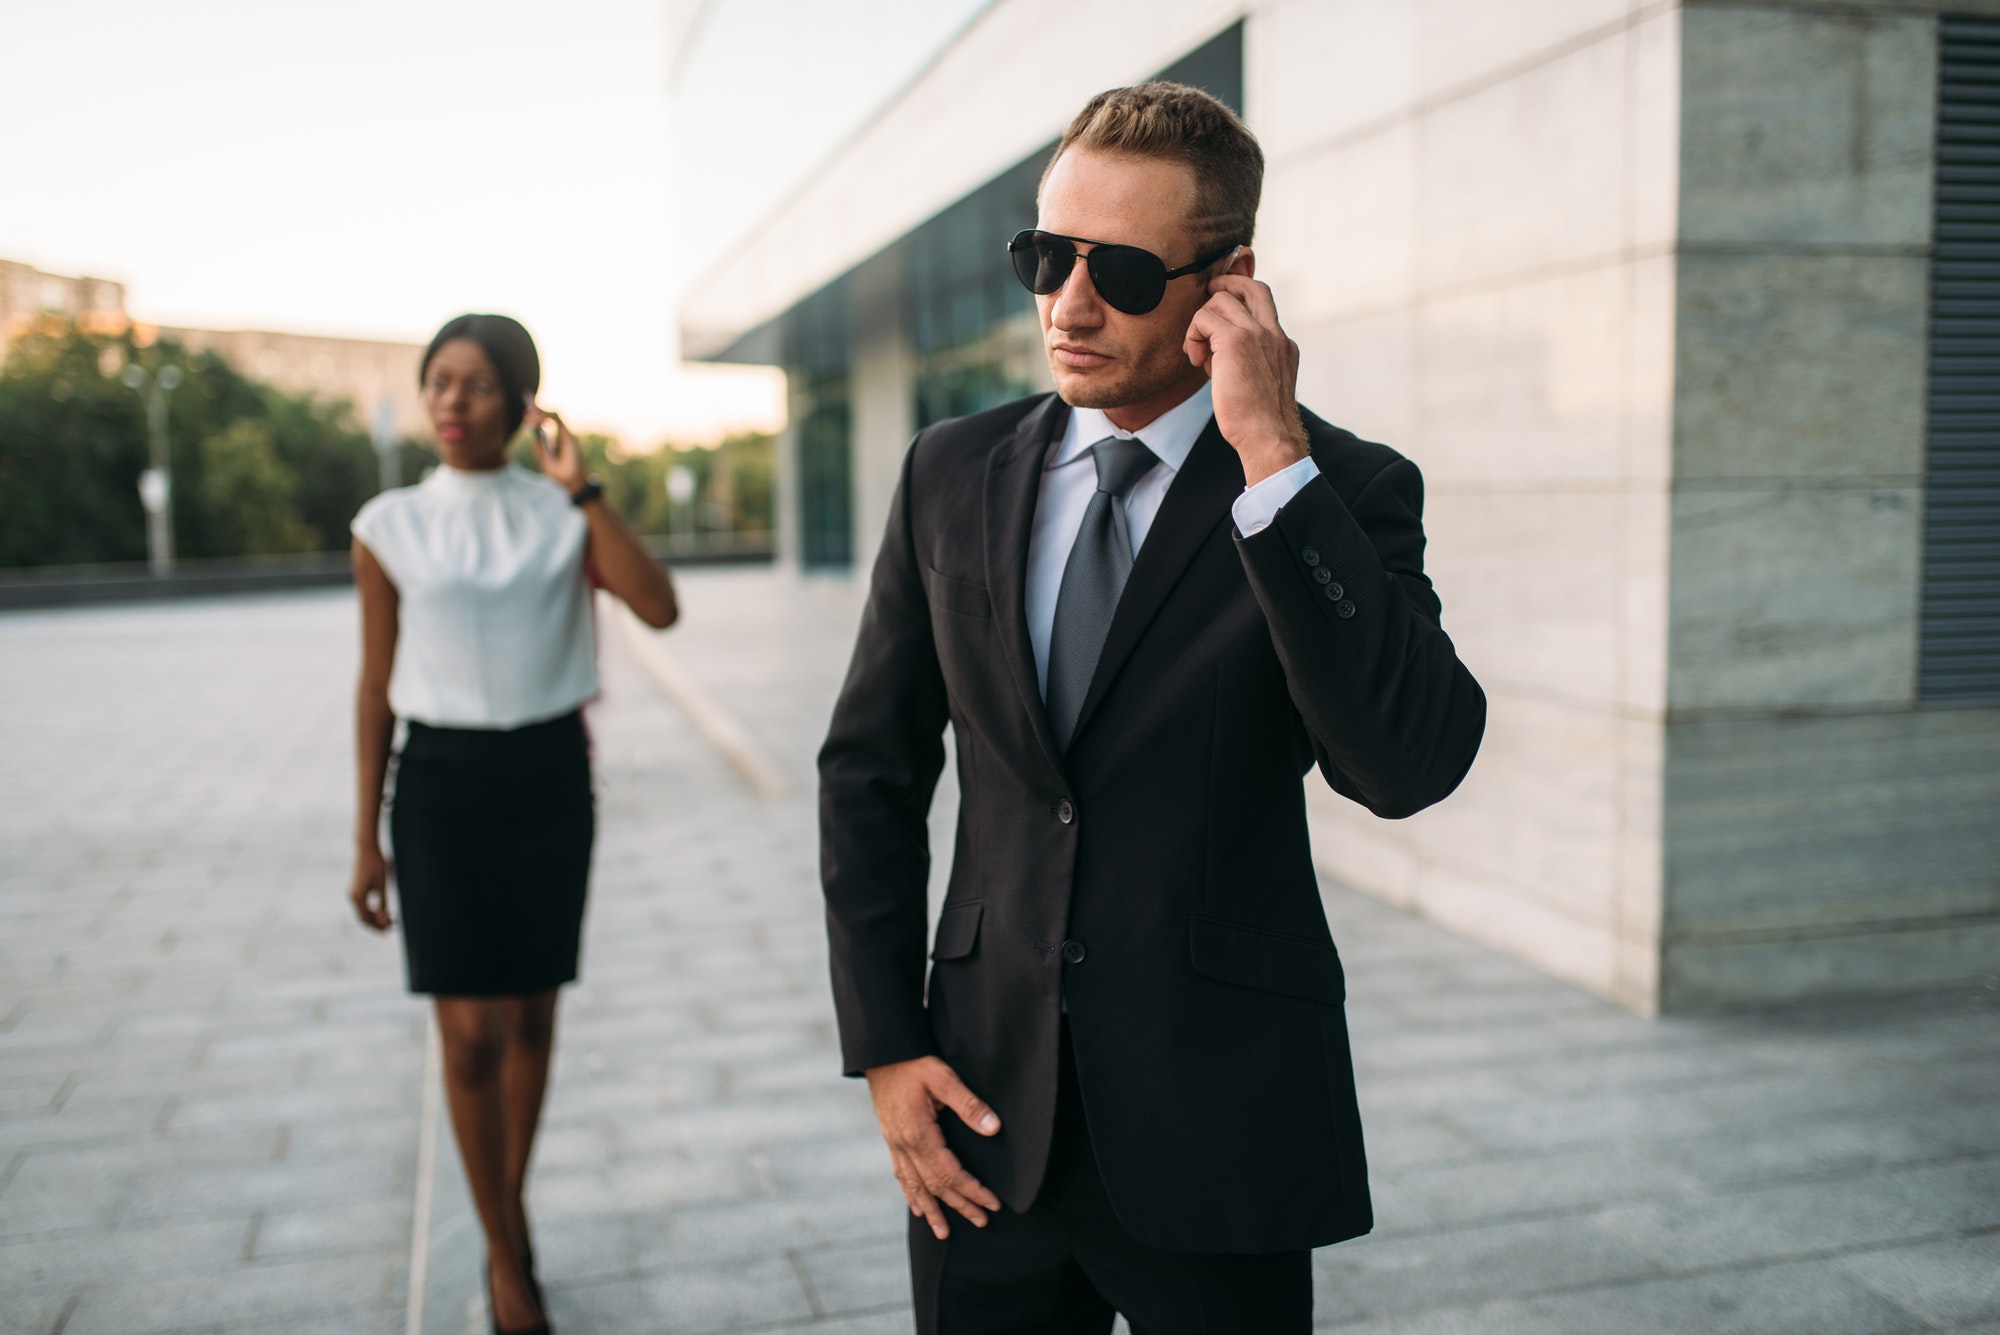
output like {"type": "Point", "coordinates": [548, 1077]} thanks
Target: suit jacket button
{"type": "Point", "coordinates": [1323, 575]}
{"type": "Point", "coordinates": [1343, 609]}
{"type": "Point", "coordinates": [1072, 951]}
{"type": "Point", "coordinates": [1310, 556]}
{"type": "Point", "coordinates": [1065, 812]}
{"type": "Point", "coordinates": [1335, 592]}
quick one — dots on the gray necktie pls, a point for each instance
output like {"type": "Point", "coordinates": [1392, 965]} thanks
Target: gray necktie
{"type": "Point", "coordinates": [1092, 581]}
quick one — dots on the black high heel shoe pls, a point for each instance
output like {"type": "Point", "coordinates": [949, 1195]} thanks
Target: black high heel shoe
{"type": "Point", "coordinates": [542, 1329]}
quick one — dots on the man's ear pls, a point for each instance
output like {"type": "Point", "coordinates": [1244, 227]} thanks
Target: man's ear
{"type": "Point", "coordinates": [1243, 262]}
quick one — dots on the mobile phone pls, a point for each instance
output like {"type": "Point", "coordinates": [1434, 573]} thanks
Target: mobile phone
{"type": "Point", "coordinates": [547, 435]}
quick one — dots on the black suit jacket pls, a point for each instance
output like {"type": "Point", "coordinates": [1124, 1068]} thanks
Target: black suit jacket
{"type": "Point", "coordinates": [1167, 848]}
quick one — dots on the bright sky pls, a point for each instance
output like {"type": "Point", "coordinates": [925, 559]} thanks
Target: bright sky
{"type": "Point", "coordinates": [375, 167]}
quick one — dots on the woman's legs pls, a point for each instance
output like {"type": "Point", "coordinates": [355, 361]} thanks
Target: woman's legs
{"type": "Point", "coordinates": [524, 1078]}
{"type": "Point", "coordinates": [486, 1086]}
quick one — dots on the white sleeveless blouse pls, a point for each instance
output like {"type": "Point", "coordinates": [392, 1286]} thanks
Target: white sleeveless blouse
{"type": "Point", "coordinates": [494, 609]}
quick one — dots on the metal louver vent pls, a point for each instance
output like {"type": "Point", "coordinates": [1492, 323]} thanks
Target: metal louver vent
{"type": "Point", "coordinates": [1959, 660]}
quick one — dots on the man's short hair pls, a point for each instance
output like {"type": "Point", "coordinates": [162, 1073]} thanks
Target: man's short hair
{"type": "Point", "coordinates": [1176, 123]}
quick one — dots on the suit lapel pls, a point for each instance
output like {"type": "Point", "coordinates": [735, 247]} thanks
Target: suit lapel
{"type": "Point", "coordinates": [1013, 484]}
{"type": "Point", "coordinates": [1198, 500]}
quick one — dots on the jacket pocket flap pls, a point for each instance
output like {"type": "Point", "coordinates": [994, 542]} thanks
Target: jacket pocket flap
{"type": "Point", "coordinates": [1247, 957]}
{"type": "Point", "coordinates": [957, 595]}
{"type": "Point", "coordinates": [957, 931]}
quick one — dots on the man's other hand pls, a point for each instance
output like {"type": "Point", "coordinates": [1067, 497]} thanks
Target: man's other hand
{"type": "Point", "coordinates": [908, 1096]}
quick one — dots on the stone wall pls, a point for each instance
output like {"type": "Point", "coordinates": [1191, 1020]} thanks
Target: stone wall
{"type": "Point", "coordinates": [1821, 832]}
{"type": "Point", "coordinates": [1470, 224]}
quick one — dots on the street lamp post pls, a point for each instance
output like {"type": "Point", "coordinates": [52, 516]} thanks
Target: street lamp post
{"type": "Point", "coordinates": [156, 484]}
{"type": "Point", "coordinates": [385, 444]}
{"type": "Point", "coordinates": [680, 483]}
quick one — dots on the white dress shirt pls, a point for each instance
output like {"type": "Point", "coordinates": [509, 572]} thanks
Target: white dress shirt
{"type": "Point", "coordinates": [493, 609]}
{"type": "Point", "coordinates": [1069, 480]}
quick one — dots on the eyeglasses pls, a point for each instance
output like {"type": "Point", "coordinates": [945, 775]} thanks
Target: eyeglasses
{"type": "Point", "coordinates": [1128, 278]}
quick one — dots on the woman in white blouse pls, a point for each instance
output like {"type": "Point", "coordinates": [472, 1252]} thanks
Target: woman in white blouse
{"type": "Point", "coordinates": [476, 631]}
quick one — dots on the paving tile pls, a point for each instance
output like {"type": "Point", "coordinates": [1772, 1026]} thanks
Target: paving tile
{"type": "Point", "coordinates": [1813, 1148]}
{"type": "Point", "coordinates": [1948, 1284]}
{"type": "Point", "coordinates": [241, 1295]}
{"type": "Point", "coordinates": [1570, 1181]}
{"type": "Point", "coordinates": [243, 1067]}
{"type": "Point", "coordinates": [728, 1297]}
{"type": "Point", "coordinates": [82, 1256]}
{"type": "Point", "coordinates": [1527, 1124]}
{"type": "Point", "coordinates": [733, 1232]}
{"type": "Point", "coordinates": [1407, 1139]}
{"type": "Point", "coordinates": [371, 1223]}
{"type": "Point", "coordinates": [589, 1249]}
{"type": "Point", "coordinates": [1801, 1219]}
{"type": "Point", "coordinates": [856, 1279]}
{"type": "Point", "coordinates": [35, 1309]}
{"type": "Point", "coordinates": [892, 1320]}
{"type": "Point", "coordinates": [1507, 1317]}
{"type": "Point", "coordinates": [1810, 1298]}
{"type": "Point", "coordinates": [1376, 1276]}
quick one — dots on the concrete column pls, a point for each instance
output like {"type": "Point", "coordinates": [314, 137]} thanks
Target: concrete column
{"type": "Point", "coordinates": [785, 479]}
{"type": "Point", "coordinates": [884, 400]}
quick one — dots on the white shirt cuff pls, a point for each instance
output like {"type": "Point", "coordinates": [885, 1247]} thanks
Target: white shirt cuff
{"type": "Point", "coordinates": [1259, 505]}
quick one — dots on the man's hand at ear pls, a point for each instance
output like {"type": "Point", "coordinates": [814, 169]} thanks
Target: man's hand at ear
{"type": "Point", "coordinates": [1254, 369]}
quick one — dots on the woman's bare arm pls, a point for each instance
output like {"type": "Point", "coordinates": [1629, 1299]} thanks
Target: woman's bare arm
{"type": "Point", "coordinates": [374, 728]}
{"type": "Point", "coordinates": [623, 564]}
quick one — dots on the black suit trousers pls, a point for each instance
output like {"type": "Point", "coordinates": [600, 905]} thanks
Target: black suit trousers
{"type": "Point", "coordinates": [1067, 1265]}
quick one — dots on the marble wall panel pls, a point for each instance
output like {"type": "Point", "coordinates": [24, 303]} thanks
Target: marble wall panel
{"type": "Point", "coordinates": [1866, 7]}
{"type": "Point", "coordinates": [1549, 379]}
{"type": "Point", "coordinates": [1801, 366]}
{"type": "Point", "coordinates": [1461, 42]}
{"type": "Point", "coordinates": [1793, 598]}
{"type": "Point", "coordinates": [1553, 814]}
{"type": "Point", "coordinates": [884, 420]}
{"type": "Point", "coordinates": [1654, 132]}
{"type": "Point", "coordinates": [1322, 70]}
{"type": "Point", "coordinates": [1529, 172]}
{"type": "Point", "coordinates": [789, 539]}
{"type": "Point", "coordinates": [1807, 127]}
{"type": "Point", "coordinates": [1532, 587]}
{"type": "Point", "coordinates": [1910, 957]}
{"type": "Point", "coordinates": [1584, 953]}
{"type": "Point", "coordinates": [1645, 525]}
{"type": "Point", "coordinates": [1334, 236]}
{"type": "Point", "coordinates": [1810, 825]}
{"type": "Point", "coordinates": [1361, 374]}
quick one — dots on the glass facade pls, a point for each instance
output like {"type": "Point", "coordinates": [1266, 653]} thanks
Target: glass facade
{"type": "Point", "coordinates": [973, 336]}
{"type": "Point", "coordinates": [817, 343]}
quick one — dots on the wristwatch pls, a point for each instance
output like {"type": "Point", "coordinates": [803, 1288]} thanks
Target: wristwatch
{"type": "Point", "coordinates": [592, 488]}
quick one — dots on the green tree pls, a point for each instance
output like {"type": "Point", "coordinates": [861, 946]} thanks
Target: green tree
{"type": "Point", "coordinates": [73, 441]}
{"type": "Point", "coordinates": [248, 497]}
{"type": "Point", "coordinates": [72, 444]}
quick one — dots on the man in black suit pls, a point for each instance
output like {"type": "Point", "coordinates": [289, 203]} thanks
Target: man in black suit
{"type": "Point", "coordinates": [1148, 605]}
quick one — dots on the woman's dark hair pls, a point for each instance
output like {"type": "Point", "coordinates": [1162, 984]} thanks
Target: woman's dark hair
{"type": "Point", "coordinates": [510, 349]}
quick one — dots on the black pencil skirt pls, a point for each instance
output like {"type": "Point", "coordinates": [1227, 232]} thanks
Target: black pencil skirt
{"type": "Point", "coordinates": [491, 833]}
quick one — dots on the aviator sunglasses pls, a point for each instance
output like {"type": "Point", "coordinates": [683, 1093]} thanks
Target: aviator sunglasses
{"type": "Point", "coordinates": [1128, 278]}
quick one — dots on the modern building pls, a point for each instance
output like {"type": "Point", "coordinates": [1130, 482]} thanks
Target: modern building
{"type": "Point", "coordinates": [27, 293]}
{"type": "Point", "coordinates": [1689, 312]}
{"type": "Point", "coordinates": [378, 378]}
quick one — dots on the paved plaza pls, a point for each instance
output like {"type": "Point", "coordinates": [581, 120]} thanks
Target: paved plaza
{"type": "Point", "coordinates": [213, 1090]}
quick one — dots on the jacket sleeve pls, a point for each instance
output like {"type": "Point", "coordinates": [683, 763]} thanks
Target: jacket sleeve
{"type": "Point", "coordinates": [878, 769]}
{"type": "Point", "coordinates": [1395, 719]}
